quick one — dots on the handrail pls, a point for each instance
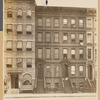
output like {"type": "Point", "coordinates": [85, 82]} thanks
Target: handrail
{"type": "Point", "coordinates": [71, 84]}
{"type": "Point", "coordinates": [89, 83]}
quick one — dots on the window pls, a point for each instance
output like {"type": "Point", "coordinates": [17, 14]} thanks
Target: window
{"type": "Point", "coordinates": [95, 38]}
{"type": "Point", "coordinates": [65, 37]}
{"type": "Point", "coordinates": [81, 53]}
{"type": "Point", "coordinates": [39, 53]}
{"type": "Point", "coordinates": [48, 85]}
{"type": "Point", "coordinates": [73, 53]}
{"type": "Point", "coordinates": [29, 13]}
{"type": "Point", "coordinates": [95, 22]}
{"type": "Point", "coordinates": [48, 37]}
{"type": "Point", "coordinates": [73, 23]}
{"type": "Point", "coordinates": [65, 22]}
{"type": "Point", "coordinates": [56, 53]}
{"type": "Point", "coordinates": [40, 23]}
{"type": "Point", "coordinates": [29, 29]}
{"type": "Point", "coordinates": [9, 45]}
{"type": "Point", "coordinates": [81, 23]}
{"type": "Point", "coordinates": [48, 22]}
{"type": "Point", "coordinates": [19, 13]}
{"type": "Point", "coordinates": [56, 37]}
{"type": "Point", "coordinates": [19, 29]}
{"type": "Point", "coordinates": [73, 37]}
{"type": "Point", "coordinates": [19, 45]}
{"type": "Point", "coordinates": [29, 62]}
{"type": "Point", "coordinates": [28, 46]}
{"type": "Point", "coordinates": [89, 53]}
{"type": "Point", "coordinates": [9, 28]}
{"type": "Point", "coordinates": [40, 38]}
{"type": "Point", "coordinates": [80, 37]}
{"type": "Point", "coordinates": [65, 53]}
{"type": "Point", "coordinates": [89, 38]}
{"type": "Point", "coordinates": [9, 13]}
{"type": "Point", "coordinates": [72, 70]}
{"type": "Point", "coordinates": [95, 54]}
{"type": "Point", "coordinates": [19, 63]}
{"type": "Point", "coordinates": [89, 22]}
{"type": "Point", "coordinates": [57, 85]}
{"type": "Point", "coordinates": [9, 62]}
{"type": "Point", "coordinates": [81, 70]}
{"type": "Point", "coordinates": [56, 71]}
{"type": "Point", "coordinates": [56, 22]}
{"type": "Point", "coordinates": [48, 53]}
{"type": "Point", "coordinates": [48, 70]}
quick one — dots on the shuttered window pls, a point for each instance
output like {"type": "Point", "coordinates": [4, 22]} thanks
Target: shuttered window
{"type": "Point", "coordinates": [29, 45]}
{"type": "Point", "coordinates": [89, 22]}
{"type": "Point", "coordinates": [9, 45]}
{"type": "Point", "coordinates": [19, 45]}
{"type": "Point", "coordinates": [29, 29]}
{"type": "Point", "coordinates": [19, 29]}
{"type": "Point", "coordinates": [89, 37]}
{"type": "Point", "coordinates": [19, 13]}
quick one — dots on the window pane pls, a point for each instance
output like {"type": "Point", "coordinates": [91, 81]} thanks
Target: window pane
{"type": "Point", "coordinates": [89, 23]}
{"type": "Point", "coordinates": [56, 37]}
{"type": "Point", "coordinates": [39, 37]}
{"type": "Point", "coordinates": [19, 45]}
{"type": "Point", "coordinates": [89, 38]}
{"type": "Point", "coordinates": [28, 28]}
{"type": "Point", "coordinates": [9, 61]}
{"type": "Point", "coordinates": [48, 53]}
{"type": "Point", "coordinates": [56, 71]}
{"type": "Point", "coordinates": [56, 53]}
{"type": "Point", "coordinates": [39, 53]}
{"type": "Point", "coordinates": [29, 45]}
{"type": "Point", "coordinates": [73, 51]}
{"type": "Point", "coordinates": [64, 51]}
{"type": "Point", "coordinates": [19, 28]}
{"type": "Point", "coordinates": [72, 36]}
{"type": "Point", "coordinates": [80, 36]}
{"type": "Point", "coordinates": [80, 68]}
{"type": "Point", "coordinates": [48, 37]}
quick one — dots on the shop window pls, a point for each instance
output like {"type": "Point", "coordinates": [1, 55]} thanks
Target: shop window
{"type": "Point", "coordinates": [19, 29]}
{"type": "Point", "coordinates": [9, 62]}
{"type": "Point", "coordinates": [19, 63]}
{"type": "Point", "coordinates": [65, 53]}
{"type": "Point", "coordinates": [9, 45]}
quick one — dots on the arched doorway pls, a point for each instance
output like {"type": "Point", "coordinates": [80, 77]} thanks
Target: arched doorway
{"type": "Point", "coordinates": [65, 70]}
{"type": "Point", "coordinates": [90, 72]}
{"type": "Point", "coordinates": [40, 71]}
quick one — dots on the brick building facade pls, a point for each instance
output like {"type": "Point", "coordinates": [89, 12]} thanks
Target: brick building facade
{"type": "Point", "coordinates": [49, 49]}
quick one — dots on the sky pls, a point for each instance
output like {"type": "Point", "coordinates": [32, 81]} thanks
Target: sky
{"type": "Point", "coordinates": [69, 3]}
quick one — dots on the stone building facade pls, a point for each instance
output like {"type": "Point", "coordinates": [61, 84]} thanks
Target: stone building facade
{"type": "Point", "coordinates": [49, 49]}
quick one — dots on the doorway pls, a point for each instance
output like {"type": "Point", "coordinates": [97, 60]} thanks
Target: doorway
{"type": "Point", "coordinates": [90, 72]}
{"type": "Point", "coordinates": [40, 71]}
{"type": "Point", "coordinates": [14, 81]}
{"type": "Point", "coordinates": [65, 71]}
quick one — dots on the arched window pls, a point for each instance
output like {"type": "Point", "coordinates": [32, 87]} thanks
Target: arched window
{"type": "Point", "coordinates": [9, 13]}
{"type": "Point", "coordinates": [29, 13]}
{"type": "Point", "coordinates": [19, 13]}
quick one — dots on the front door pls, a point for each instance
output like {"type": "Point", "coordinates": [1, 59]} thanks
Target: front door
{"type": "Point", "coordinates": [14, 81]}
{"type": "Point", "coordinates": [65, 71]}
{"type": "Point", "coordinates": [90, 72]}
{"type": "Point", "coordinates": [40, 71]}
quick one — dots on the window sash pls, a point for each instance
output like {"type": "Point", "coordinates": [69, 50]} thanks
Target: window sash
{"type": "Point", "coordinates": [56, 71]}
{"type": "Point", "coordinates": [65, 21]}
{"type": "Point", "coordinates": [48, 22]}
{"type": "Point", "coordinates": [80, 36]}
{"type": "Point", "coordinates": [56, 22]}
{"type": "Point", "coordinates": [89, 53]}
{"type": "Point", "coordinates": [48, 53]}
{"type": "Point", "coordinates": [56, 53]}
{"type": "Point", "coordinates": [48, 37]}
{"type": "Point", "coordinates": [19, 60]}
{"type": "Point", "coordinates": [80, 51]}
{"type": "Point", "coordinates": [81, 23]}
{"type": "Point", "coordinates": [72, 69]}
{"type": "Point", "coordinates": [9, 26]}
{"type": "Point", "coordinates": [29, 61]}
{"type": "Point", "coordinates": [73, 21]}
{"type": "Point", "coordinates": [40, 22]}
{"type": "Point", "coordinates": [89, 38]}
{"type": "Point", "coordinates": [89, 23]}
{"type": "Point", "coordinates": [56, 37]}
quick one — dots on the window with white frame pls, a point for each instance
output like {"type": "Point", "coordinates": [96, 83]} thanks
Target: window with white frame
{"type": "Point", "coordinates": [56, 53]}
{"type": "Point", "coordinates": [56, 22]}
{"type": "Point", "coordinates": [40, 37]}
{"type": "Point", "coordinates": [19, 13]}
{"type": "Point", "coordinates": [81, 23]}
{"type": "Point", "coordinates": [48, 71]}
{"type": "Point", "coordinates": [89, 22]}
{"type": "Point", "coordinates": [56, 71]}
{"type": "Point", "coordinates": [56, 37]}
{"type": "Point", "coordinates": [81, 37]}
{"type": "Point", "coordinates": [65, 36]}
{"type": "Point", "coordinates": [9, 62]}
{"type": "Point", "coordinates": [48, 37]}
{"type": "Point", "coordinates": [73, 53]}
{"type": "Point", "coordinates": [19, 29]}
{"type": "Point", "coordinates": [81, 53]}
{"type": "Point", "coordinates": [81, 70]}
{"type": "Point", "coordinates": [29, 62]}
{"type": "Point", "coordinates": [72, 70]}
{"type": "Point", "coordinates": [65, 22]}
{"type": "Point", "coordinates": [48, 22]}
{"type": "Point", "coordinates": [89, 53]}
{"type": "Point", "coordinates": [73, 23]}
{"type": "Point", "coordinates": [65, 53]}
{"type": "Point", "coordinates": [9, 45]}
{"type": "Point", "coordinates": [9, 13]}
{"type": "Point", "coordinates": [28, 45]}
{"type": "Point", "coordinates": [19, 62]}
{"type": "Point", "coordinates": [9, 28]}
{"type": "Point", "coordinates": [40, 21]}
{"type": "Point", "coordinates": [48, 53]}
{"type": "Point", "coordinates": [29, 13]}
{"type": "Point", "coordinates": [73, 37]}
{"type": "Point", "coordinates": [40, 53]}
{"type": "Point", "coordinates": [89, 37]}
{"type": "Point", "coordinates": [29, 29]}
{"type": "Point", "coordinates": [19, 45]}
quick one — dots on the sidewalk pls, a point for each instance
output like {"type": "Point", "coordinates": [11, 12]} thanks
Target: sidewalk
{"type": "Point", "coordinates": [49, 95]}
